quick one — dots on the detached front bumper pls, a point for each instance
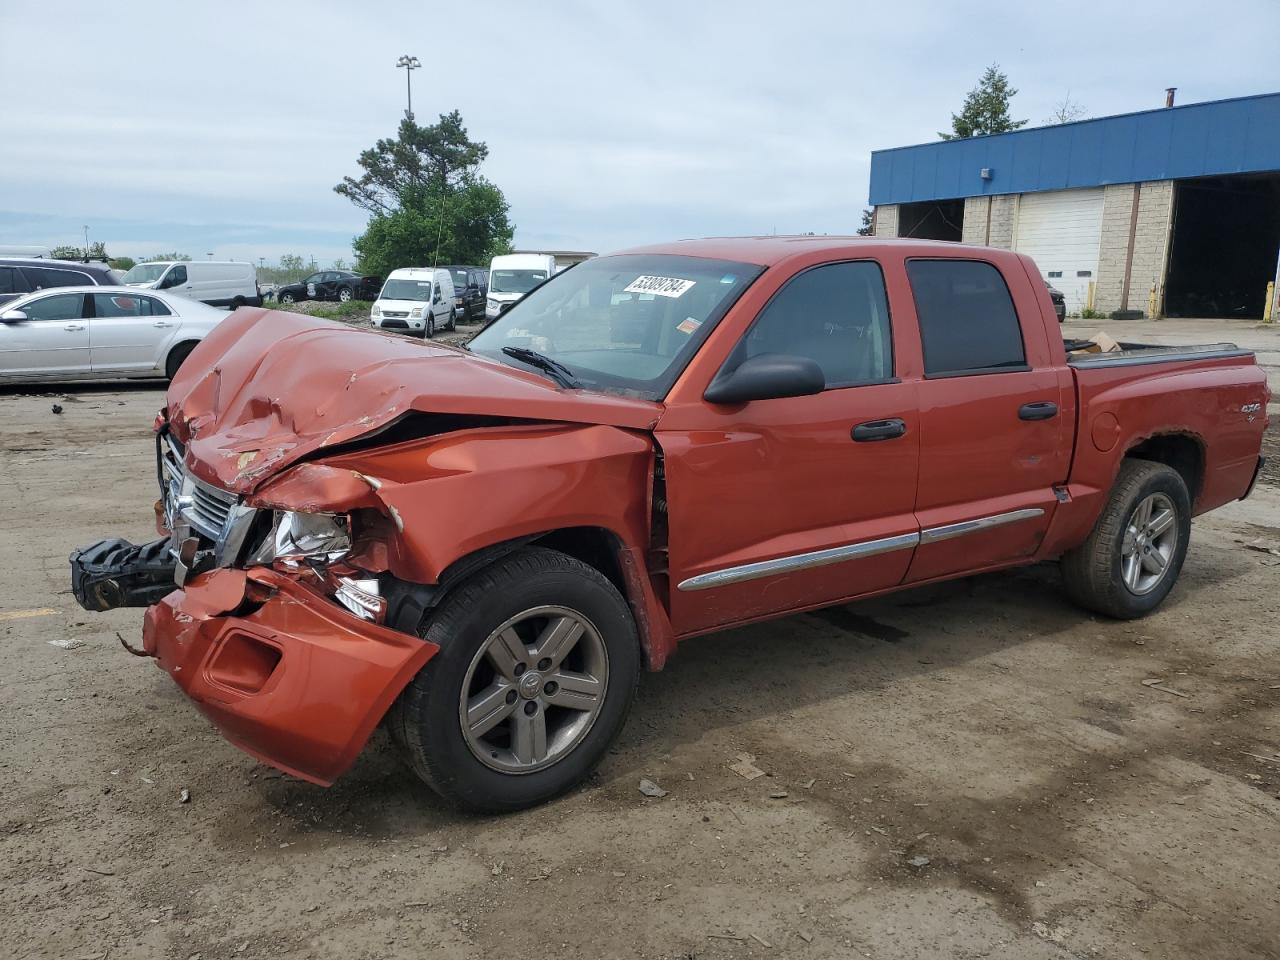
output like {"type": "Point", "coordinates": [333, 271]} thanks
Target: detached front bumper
{"type": "Point", "coordinates": [284, 673]}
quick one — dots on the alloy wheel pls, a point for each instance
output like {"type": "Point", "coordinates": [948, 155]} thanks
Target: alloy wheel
{"type": "Point", "coordinates": [1150, 542]}
{"type": "Point", "coordinates": [533, 690]}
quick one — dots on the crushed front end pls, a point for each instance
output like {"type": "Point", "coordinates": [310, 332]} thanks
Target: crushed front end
{"type": "Point", "coordinates": [261, 616]}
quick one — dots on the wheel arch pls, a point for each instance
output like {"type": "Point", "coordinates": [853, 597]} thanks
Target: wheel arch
{"type": "Point", "coordinates": [1183, 452]}
{"type": "Point", "coordinates": [190, 343]}
{"type": "Point", "coordinates": [598, 547]}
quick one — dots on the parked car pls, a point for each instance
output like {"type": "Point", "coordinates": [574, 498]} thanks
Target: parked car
{"type": "Point", "coordinates": [481, 548]}
{"type": "Point", "coordinates": [88, 332]}
{"type": "Point", "coordinates": [341, 285]}
{"type": "Point", "coordinates": [470, 284]}
{"type": "Point", "coordinates": [1059, 302]}
{"type": "Point", "coordinates": [225, 283]}
{"type": "Point", "coordinates": [417, 300]}
{"type": "Point", "coordinates": [19, 275]}
{"type": "Point", "coordinates": [512, 276]}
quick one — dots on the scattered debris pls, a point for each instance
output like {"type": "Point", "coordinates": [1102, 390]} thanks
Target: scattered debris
{"type": "Point", "coordinates": [762, 941]}
{"type": "Point", "coordinates": [56, 408]}
{"type": "Point", "coordinates": [496, 870]}
{"type": "Point", "coordinates": [745, 767]}
{"type": "Point", "coordinates": [919, 861]}
{"type": "Point", "coordinates": [808, 784]}
{"type": "Point", "coordinates": [1258, 756]}
{"type": "Point", "coordinates": [1261, 546]}
{"type": "Point", "coordinates": [146, 780]}
{"type": "Point", "coordinates": [184, 795]}
{"type": "Point", "coordinates": [66, 643]}
{"type": "Point", "coordinates": [725, 936]}
{"type": "Point", "coordinates": [651, 789]}
{"type": "Point", "coordinates": [1156, 683]}
{"type": "Point", "coordinates": [101, 873]}
{"type": "Point", "coordinates": [1045, 932]}
{"type": "Point", "coordinates": [806, 936]}
{"type": "Point", "coordinates": [778, 795]}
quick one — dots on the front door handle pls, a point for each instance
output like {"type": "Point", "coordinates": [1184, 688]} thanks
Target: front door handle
{"type": "Point", "coordinates": [74, 327]}
{"type": "Point", "coordinates": [1041, 410]}
{"type": "Point", "coordinates": [874, 430]}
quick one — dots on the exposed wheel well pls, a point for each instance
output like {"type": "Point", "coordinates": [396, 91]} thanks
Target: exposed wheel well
{"type": "Point", "coordinates": [1177, 450]}
{"type": "Point", "coordinates": [179, 351]}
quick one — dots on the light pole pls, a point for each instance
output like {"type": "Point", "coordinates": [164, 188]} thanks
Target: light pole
{"type": "Point", "coordinates": [86, 243]}
{"type": "Point", "coordinates": [410, 64]}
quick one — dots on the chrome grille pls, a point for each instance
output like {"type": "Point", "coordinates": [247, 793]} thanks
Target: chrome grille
{"type": "Point", "coordinates": [210, 508]}
{"type": "Point", "coordinates": [192, 506]}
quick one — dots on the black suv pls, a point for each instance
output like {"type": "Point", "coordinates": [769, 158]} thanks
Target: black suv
{"type": "Point", "coordinates": [19, 275]}
{"type": "Point", "coordinates": [470, 287]}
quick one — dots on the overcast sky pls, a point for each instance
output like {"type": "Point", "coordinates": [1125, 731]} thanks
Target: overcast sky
{"type": "Point", "coordinates": [222, 127]}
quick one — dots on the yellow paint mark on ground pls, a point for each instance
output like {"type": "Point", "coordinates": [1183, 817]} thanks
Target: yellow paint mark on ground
{"type": "Point", "coordinates": [25, 614]}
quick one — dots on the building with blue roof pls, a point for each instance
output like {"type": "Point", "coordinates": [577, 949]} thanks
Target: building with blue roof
{"type": "Point", "coordinates": [1173, 211]}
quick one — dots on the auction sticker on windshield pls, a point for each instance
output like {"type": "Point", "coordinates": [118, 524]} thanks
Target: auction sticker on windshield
{"type": "Point", "coordinates": [660, 286]}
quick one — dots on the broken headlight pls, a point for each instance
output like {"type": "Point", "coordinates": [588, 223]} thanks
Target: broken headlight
{"type": "Point", "coordinates": [296, 537]}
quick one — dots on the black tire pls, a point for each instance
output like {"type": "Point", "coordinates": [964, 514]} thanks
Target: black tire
{"type": "Point", "coordinates": [237, 303]}
{"type": "Point", "coordinates": [177, 356]}
{"type": "Point", "coordinates": [286, 298]}
{"type": "Point", "coordinates": [453, 319]}
{"type": "Point", "coordinates": [1092, 572]}
{"type": "Point", "coordinates": [345, 295]}
{"type": "Point", "coordinates": [425, 721]}
{"type": "Point", "coordinates": [430, 330]}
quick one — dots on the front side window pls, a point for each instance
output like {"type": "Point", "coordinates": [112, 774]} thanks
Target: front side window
{"type": "Point", "coordinates": [967, 321]}
{"type": "Point", "coordinates": [627, 324]}
{"type": "Point", "coordinates": [406, 289]}
{"type": "Point", "coordinates": [836, 315]}
{"type": "Point", "coordinates": [515, 281]}
{"type": "Point", "coordinates": [10, 282]}
{"type": "Point", "coordinates": [63, 306]}
{"type": "Point", "coordinates": [176, 276]}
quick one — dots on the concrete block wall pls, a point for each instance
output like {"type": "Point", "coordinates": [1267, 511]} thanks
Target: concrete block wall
{"type": "Point", "coordinates": [1004, 215]}
{"type": "Point", "coordinates": [1117, 211]}
{"type": "Point", "coordinates": [974, 228]}
{"type": "Point", "coordinates": [887, 220]}
{"type": "Point", "coordinates": [1151, 244]}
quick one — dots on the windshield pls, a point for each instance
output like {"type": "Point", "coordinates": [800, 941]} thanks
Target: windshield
{"type": "Point", "coordinates": [145, 273]}
{"type": "Point", "coordinates": [627, 324]}
{"type": "Point", "coordinates": [515, 281]}
{"type": "Point", "coordinates": [406, 290]}
{"type": "Point", "coordinates": [459, 279]}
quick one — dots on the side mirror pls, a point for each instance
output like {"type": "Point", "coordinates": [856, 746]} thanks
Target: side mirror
{"type": "Point", "coordinates": [769, 376]}
{"type": "Point", "coordinates": [13, 316]}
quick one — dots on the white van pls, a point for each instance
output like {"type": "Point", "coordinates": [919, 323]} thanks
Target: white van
{"type": "Point", "coordinates": [219, 283]}
{"type": "Point", "coordinates": [512, 276]}
{"type": "Point", "coordinates": [417, 300]}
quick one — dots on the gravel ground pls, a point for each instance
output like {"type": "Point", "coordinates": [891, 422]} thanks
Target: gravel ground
{"type": "Point", "coordinates": [970, 770]}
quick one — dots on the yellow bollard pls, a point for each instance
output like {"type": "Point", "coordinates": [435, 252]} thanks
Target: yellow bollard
{"type": "Point", "coordinates": [1151, 303]}
{"type": "Point", "coordinates": [1268, 311]}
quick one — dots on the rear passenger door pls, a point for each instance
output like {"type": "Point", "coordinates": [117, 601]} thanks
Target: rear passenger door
{"type": "Point", "coordinates": [997, 418]}
{"type": "Point", "coordinates": [129, 333]}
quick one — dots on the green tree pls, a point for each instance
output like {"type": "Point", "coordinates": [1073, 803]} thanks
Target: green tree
{"type": "Point", "coordinates": [97, 251]}
{"type": "Point", "coordinates": [165, 256]}
{"type": "Point", "coordinates": [985, 109]}
{"type": "Point", "coordinates": [868, 227]}
{"type": "Point", "coordinates": [426, 199]}
{"type": "Point", "coordinates": [123, 263]}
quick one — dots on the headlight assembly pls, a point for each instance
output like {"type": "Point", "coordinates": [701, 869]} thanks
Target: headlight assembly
{"type": "Point", "coordinates": [415, 312]}
{"type": "Point", "coordinates": [295, 537]}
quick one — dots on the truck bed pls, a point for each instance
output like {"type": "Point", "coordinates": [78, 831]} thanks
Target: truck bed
{"type": "Point", "coordinates": [1132, 354]}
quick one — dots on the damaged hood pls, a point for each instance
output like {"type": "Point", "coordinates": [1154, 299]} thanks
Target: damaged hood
{"type": "Point", "coordinates": [267, 388]}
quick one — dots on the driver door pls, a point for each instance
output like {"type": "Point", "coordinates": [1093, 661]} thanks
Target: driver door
{"type": "Point", "coordinates": [52, 342]}
{"type": "Point", "coordinates": [797, 502]}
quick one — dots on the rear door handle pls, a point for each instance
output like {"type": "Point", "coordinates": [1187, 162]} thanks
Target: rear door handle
{"type": "Point", "coordinates": [74, 327]}
{"type": "Point", "coordinates": [1041, 410]}
{"type": "Point", "coordinates": [874, 430]}
{"type": "Point", "coordinates": [162, 323]}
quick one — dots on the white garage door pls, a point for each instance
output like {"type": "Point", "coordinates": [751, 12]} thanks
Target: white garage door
{"type": "Point", "coordinates": [1062, 232]}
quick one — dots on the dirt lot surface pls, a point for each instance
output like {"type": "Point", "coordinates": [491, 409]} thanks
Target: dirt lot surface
{"type": "Point", "coordinates": [972, 770]}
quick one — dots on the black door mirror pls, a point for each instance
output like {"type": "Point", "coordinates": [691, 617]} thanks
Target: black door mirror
{"type": "Point", "coordinates": [769, 376]}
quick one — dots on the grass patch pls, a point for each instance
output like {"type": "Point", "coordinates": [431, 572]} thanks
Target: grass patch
{"type": "Point", "coordinates": [352, 310]}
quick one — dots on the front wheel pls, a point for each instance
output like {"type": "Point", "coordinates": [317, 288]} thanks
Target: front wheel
{"type": "Point", "coordinates": [177, 356]}
{"type": "Point", "coordinates": [1133, 557]}
{"type": "Point", "coordinates": [286, 298]}
{"type": "Point", "coordinates": [537, 669]}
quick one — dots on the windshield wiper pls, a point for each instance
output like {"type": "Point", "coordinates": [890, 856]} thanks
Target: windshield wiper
{"type": "Point", "coordinates": [559, 372]}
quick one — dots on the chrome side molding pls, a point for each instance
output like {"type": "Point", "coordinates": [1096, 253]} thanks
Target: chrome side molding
{"type": "Point", "coordinates": [799, 561]}
{"type": "Point", "coordinates": [965, 527]}
{"type": "Point", "coordinates": [853, 551]}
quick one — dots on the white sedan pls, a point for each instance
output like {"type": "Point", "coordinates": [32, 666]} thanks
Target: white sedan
{"type": "Point", "coordinates": [79, 333]}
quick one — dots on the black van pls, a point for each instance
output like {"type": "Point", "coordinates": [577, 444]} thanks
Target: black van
{"type": "Point", "coordinates": [19, 275]}
{"type": "Point", "coordinates": [470, 285]}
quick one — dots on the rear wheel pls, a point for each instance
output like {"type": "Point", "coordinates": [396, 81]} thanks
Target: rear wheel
{"type": "Point", "coordinates": [237, 303]}
{"type": "Point", "coordinates": [537, 669]}
{"type": "Point", "coordinates": [177, 356]}
{"type": "Point", "coordinates": [1133, 557]}
{"type": "Point", "coordinates": [453, 319]}
{"type": "Point", "coordinates": [286, 298]}
{"type": "Point", "coordinates": [345, 295]}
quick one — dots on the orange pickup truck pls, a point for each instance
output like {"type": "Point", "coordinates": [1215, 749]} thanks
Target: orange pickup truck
{"type": "Point", "coordinates": [483, 546]}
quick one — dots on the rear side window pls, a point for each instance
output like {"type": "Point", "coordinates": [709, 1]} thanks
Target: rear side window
{"type": "Point", "coordinates": [10, 282]}
{"type": "Point", "coordinates": [127, 305]}
{"type": "Point", "coordinates": [42, 278]}
{"type": "Point", "coordinates": [836, 315]}
{"type": "Point", "coordinates": [967, 321]}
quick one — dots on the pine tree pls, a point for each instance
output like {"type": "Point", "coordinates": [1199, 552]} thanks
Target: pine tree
{"type": "Point", "coordinates": [986, 108]}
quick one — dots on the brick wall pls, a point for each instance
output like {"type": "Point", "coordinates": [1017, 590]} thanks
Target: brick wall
{"type": "Point", "coordinates": [887, 220]}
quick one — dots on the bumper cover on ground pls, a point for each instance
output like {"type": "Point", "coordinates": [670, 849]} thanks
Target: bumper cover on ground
{"type": "Point", "coordinates": [291, 679]}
